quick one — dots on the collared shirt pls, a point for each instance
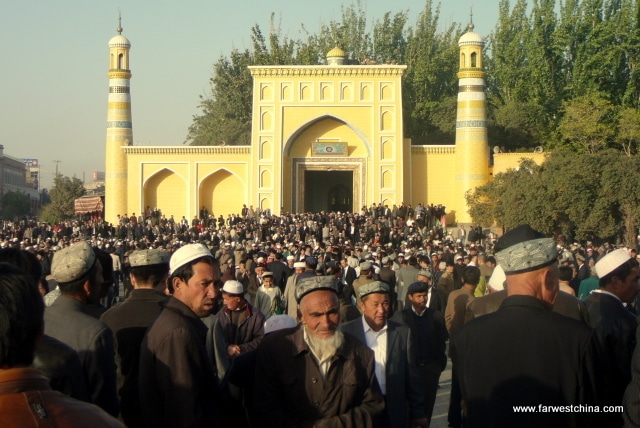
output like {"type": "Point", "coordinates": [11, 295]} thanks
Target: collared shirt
{"type": "Point", "coordinates": [323, 364]}
{"type": "Point", "coordinates": [377, 341]}
{"type": "Point", "coordinates": [421, 313]}
{"type": "Point", "coordinates": [601, 291]}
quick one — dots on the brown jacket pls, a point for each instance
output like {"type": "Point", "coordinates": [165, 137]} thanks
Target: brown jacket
{"type": "Point", "coordinates": [26, 400]}
{"type": "Point", "coordinates": [293, 393]}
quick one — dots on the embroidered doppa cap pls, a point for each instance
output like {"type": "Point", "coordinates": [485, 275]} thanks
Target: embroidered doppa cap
{"type": "Point", "coordinates": [233, 287]}
{"type": "Point", "coordinates": [279, 322]}
{"type": "Point", "coordinates": [373, 287]}
{"type": "Point", "coordinates": [148, 257]}
{"type": "Point", "coordinates": [523, 250]}
{"type": "Point", "coordinates": [187, 254]}
{"type": "Point", "coordinates": [72, 262]}
{"type": "Point", "coordinates": [427, 272]}
{"type": "Point", "coordinates": [315, 283]}
{"type": "Point", "coordinates": [611, 262]}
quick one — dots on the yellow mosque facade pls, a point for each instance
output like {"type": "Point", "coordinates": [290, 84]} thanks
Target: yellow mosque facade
{"type": "Point", "coordinates": [324, 138]}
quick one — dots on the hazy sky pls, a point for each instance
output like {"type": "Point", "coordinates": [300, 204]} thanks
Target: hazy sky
{"type": "Point", "coordinates": [53, 78]}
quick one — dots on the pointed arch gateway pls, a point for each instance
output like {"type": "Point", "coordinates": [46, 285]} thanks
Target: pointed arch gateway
{"type": "Point", "coordinates": [315, 179]}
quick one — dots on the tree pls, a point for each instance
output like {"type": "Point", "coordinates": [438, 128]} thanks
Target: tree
{"type": "Point", "coordinates": [15, 204]}
{"type": "Point", "coordinates": [583, 196]}
{"type": "Point", "coordinates": [63, 195]}
{"type": "Point", "coordinates": [588, 124]}
{"type": "Point", "coordinates": [629, 130]}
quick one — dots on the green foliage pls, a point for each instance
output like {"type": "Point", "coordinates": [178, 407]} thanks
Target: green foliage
{"type": "Point", "coordinates": [15, 204]}
{"type": "Point", "coordinates": [63, 195]}
{"type": "Point", "coordinates": [584, 196]}
{"type": "Point", "coordinates": [562, 75]}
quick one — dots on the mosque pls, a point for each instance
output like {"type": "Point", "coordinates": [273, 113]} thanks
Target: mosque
{"type": "Point", "coordinates": [324, 137]}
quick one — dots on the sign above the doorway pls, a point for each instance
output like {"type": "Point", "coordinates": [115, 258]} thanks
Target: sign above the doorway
{"type": "Point", "coordinates": [329, 149]}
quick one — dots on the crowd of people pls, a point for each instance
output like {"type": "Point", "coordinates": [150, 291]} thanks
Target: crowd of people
{"type": "Point", "coordinates": [314, 319]}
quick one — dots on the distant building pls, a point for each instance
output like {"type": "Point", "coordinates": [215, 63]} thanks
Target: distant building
{"type": "Point", "coordinates": [16, 176]}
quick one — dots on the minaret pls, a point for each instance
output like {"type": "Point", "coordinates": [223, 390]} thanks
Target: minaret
{"type": "Point", "coordinates": [472, 146]}
{"type": "Point", "coordinates": [119, 130]}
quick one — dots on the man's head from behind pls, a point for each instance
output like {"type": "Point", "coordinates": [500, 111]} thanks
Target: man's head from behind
{"type": "Point", "coordinates": [149, 269]}
{"type": "Point", "coordinates": [529, 261]}
{"type": "Point", "coordinates": [77, 271]}
{"type": "Point", "coordinates": [21, 317]}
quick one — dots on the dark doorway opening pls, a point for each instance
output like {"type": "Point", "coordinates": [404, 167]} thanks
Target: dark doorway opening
{"type": "Point", "coordinates": [328, 191]}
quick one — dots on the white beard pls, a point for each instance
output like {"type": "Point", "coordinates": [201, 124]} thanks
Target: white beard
{"type": "Point", "coordinates": [324, 348]}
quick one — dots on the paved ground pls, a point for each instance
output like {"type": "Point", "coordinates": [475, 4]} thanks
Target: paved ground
{"type": "Point", "coordinates": [439, 418]}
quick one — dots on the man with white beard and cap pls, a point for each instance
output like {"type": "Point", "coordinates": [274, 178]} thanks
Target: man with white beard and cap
{"type": "Point", "coordinates": [314, 375]}
{"type": "Point", "coordinates": [177, 384]}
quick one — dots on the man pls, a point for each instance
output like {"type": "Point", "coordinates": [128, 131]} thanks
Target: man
{"type": "Point", "coordinates": [366, 276]}
{"type": "Point", "coordinates": [436, 299]}
{"type": "Point", "coordinates": [129, 322]}
{"type": "Point", "coordinates": [429, 336]}
{"type": "Point", "coordinates": [583, 273]}
{"type": "Point", "coordinates": [391, 344]}
{"type": "Point", "coordinates": [177, 383]}
{"type": "Point", "coordinates": [614, 326]}
{"type": "Point", "coordinates": [79, 276]}
{"type": "Point", "coordinates": [241, 324]}
{"type": "Point", "coordinates": [524, 354]}
{"type": "Point", "coordinates": [269, 297]}
{"type": "Point", "coordinates": [454, 320]}
{"type": "Point", "coordinates": [446, 283]}
{"type": "Point", "coordinates": [406, 275]}
{"type": "Point", "coordinates": [314, 375]}
{"type": "Point", "coordinates": [388, 276]}
{"type": "Point", "coordinates": [290, 290]}
{"type": "Point", "coordinates": [459, 299]}
{"type": "Point", "coordinates": [26, 399]}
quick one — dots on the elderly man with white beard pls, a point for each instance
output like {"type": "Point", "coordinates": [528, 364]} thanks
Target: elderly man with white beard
{"type": "Point", "coordinates": [313, 375]}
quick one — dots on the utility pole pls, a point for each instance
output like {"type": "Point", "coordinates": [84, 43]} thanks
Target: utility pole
{"type": "Point", "coordinates": [57, 162]}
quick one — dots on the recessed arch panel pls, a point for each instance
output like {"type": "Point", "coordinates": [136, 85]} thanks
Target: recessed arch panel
{"type": "Point", "coordinates": [386, 121]}
{"type": "Point", "coordinates": [387, 179]}
{"type": "Point", "coordinates": [221, 192]}
{"type": "Point", "coordinates": [167, 191]}
{"type": "Point", "coordinates": [266, 121]}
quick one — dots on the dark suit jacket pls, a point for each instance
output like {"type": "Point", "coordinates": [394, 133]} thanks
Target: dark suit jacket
{"type": "Point", "coordinates": [435, 335]}
{"type": "Point", "coordinates": [525, 355]}
{"type": "Point", "coordinates": [438, 301]}
{"type": "Point", "coordinates": [615, 331]}
{"type": "Point", "coordinates": [566, 304]}
{"type": "Point", "coordinates": [403, 387]}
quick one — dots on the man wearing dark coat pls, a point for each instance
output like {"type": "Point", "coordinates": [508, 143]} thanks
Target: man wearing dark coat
{"type": "Point", "coordinates": [614, 326]}
{"type": "Point", "coordinates": [524, 354]}
{"type": "Point", "coordinates": [129, 322]}
{"type": "Point", "coordinates": [313, 375]}
{"type": "Point", "coordinates": [178, 387]}
{"type": "Point", "coordinates": [396, 368]}
{"type": "Point", "coordinates": [429, 336]}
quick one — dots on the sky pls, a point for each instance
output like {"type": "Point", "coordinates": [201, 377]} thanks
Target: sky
{"type": "Point", "coordinates": [53, 77]}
